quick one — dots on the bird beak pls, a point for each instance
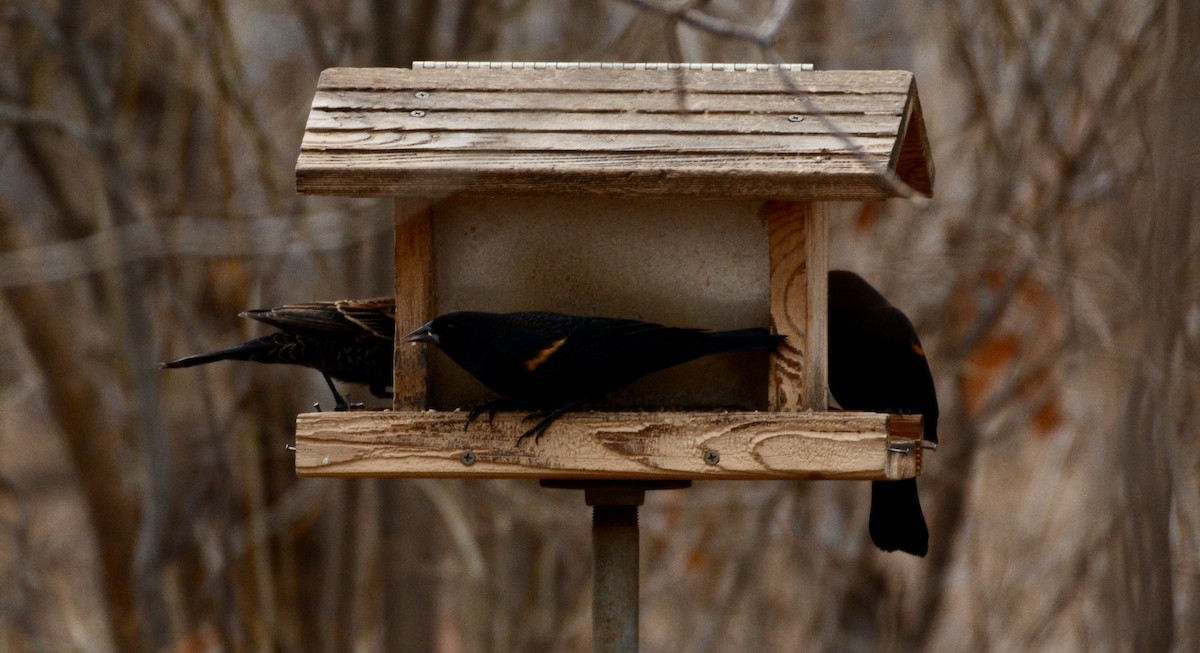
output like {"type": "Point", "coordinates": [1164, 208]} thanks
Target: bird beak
{"type": "Point", "coordinates": [424, 334]}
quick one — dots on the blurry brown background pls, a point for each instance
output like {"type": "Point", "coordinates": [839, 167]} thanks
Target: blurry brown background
{"type": "Point", "coordinates": [146, 197]}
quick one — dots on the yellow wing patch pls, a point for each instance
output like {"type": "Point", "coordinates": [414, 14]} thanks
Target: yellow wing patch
{"type": "Point", "coordinates": [540, 357]}
{"type": "Point", "coordinates": [916, 347]}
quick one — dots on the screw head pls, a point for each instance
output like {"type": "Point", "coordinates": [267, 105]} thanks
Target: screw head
{"type": "Point", "coordinates": [421, 94]}
{"type": "Point", "coordinates": [712, 457]}
{"type": "Point", "coordinates": [795, 117]}
{"type": "Point", "coordinates": [467, 458]}
{"type": "Point", "coordinates": [417, 113]}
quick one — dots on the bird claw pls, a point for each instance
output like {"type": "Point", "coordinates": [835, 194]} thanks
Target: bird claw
{"type": "Point", "coordinates": [546, 418]}
{"type": "Point", "coordinates": [341, 406]}
{"type": "Point", "coordinates": [354, 405]}
{"type": "Point", "coordinates": [491, 408]}
{"type": "Point", "coordinates": [476, 412]}
{"type": "Point", "coordinates": [537, 431]}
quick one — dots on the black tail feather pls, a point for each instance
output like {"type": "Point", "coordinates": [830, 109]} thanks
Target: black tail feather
{"type": "Point", "coordinates": [744, 340]}
{"type": "Point", "coordinates": [897, 523]}
{"type": "Point", "coordinates": [253, 350]}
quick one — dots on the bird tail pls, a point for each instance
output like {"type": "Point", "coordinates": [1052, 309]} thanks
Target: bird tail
{"type": "Point", "coordinates": [261, 349]}
{"type": "Point", "coordinates": [897, 523]}
{"type": "Point", "coordinates": [744, 340]}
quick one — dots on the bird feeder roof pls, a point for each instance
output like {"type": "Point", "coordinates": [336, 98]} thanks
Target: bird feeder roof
{"type": "Point", "coordinates": [618, 130]}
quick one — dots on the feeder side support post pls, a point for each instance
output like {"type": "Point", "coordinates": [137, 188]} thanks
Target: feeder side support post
{"type": "Point", "coordinates": [414, 300]}
{"type": "Point", "coordinates": [799, 265]}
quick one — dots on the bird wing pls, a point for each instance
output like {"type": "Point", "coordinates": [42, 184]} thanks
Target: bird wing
{"type": "Point", "coordinates": [633, 347]}
{"type": "Point", "coordinates": [376, 316]}
{"type": "Point", "coordinates": [366, 318]}
{"type": "Point", "coordinates": [876, 363]}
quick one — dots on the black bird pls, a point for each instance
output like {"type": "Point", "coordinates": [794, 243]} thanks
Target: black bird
{"type": "Point", "coordinates": [349, 340]}
{"type": "Point", "coordinates": [554, 362]}
{"type": "Point", "coordinates": [876, 364]}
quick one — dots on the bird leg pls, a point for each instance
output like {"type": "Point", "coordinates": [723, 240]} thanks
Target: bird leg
{"type": "Point", "coordinates": [546, 418]}
{"type": "Point", "coordinates": [491, 408]}
{"type": "Point", "coordinates": [340, 403]}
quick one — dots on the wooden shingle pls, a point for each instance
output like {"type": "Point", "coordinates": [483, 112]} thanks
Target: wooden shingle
{"type": "Point", "coordinates": [619, 132]}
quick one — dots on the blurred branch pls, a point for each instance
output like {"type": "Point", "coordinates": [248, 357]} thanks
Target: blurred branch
{"type": "Point", "coordinates": [24, 117]}
{"type": "Point", "coordinates": [257, 237]}
{"type": "Point", "coordinates": [455, 516]}
{"type": "Point", "coordinates": [89, 439]}
{"type": "Point", "coordinates": [688, 13]}
{"type": "Point", "coordinates": [742, 570]}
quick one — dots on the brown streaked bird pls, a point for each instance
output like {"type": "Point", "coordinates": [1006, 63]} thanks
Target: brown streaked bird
{"type": "Point", "coordinates": [553, 362]}
{"type": "Point", "coordinates": [876, 364]}
{"type": "Point", "coordinates": [350, 340]}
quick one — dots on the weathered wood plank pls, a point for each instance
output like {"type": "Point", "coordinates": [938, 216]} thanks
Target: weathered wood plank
{"type": "Point", "coordinates": [913, 159]}
{"type": "Point", "coordinates": [610, 175]}
{"type": "Point", "coordinates": [414, 299]}
{"type": "Point", "coordinates": [613, 132]}
{"type": "Point", "coordinates": [596, 80]}
{"type": "Point", "coordinates": [450, 99]}
{"type": "Point", "coordinates": [583, 123]}
{"type": "Point", "coordinates": [816, 351]}
{"type": "Point", "coordinates": [797, 243]}
{"type": "Point", "coordinates": [599, 141]}
{"type": "Point", "coordinates": [693, 445]}
{"type": "Point", "coordinates": [601, 162]}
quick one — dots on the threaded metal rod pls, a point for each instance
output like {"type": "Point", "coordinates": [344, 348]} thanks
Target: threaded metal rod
{"type": "Point", "coordinates": [614, 578]}
{"type": "Point", "coordinates": [615, 564]}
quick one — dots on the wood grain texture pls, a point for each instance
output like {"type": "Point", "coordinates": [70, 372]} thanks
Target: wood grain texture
{"type": "Point", "coordinates": [615, 132]}
{"type": "Point", "coordinates": [414, 300]}
{"type": "Point", "coordinates": [598, 80]}
{"type": "Point", "coordinates": [816, 353]}
{"type": "Point", "coordinates": [914, 158]}
{"type": "Point", "coordinates": [843, 106]}
{"type": "Point", "coordinates": [797, 235]}
{"type": "Point", "coordinates": [649, 175]}
{"type": "Point", "coordinates": [633, 139]}
{"type": "Point", "coordinates": [599, 445]}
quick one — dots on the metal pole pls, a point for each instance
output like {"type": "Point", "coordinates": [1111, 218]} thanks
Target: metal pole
{"type": "Point", "coordinates": [615, 556]}
{"type": "Point", "coordinates": [614, 574]}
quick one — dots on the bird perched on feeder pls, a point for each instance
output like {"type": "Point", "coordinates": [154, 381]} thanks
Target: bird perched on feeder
{"type": "Point", "coordinates": [553, 362]}
{"type": "Point", "coordinates": [876, 363]}
{"type": "Point", "coordinates": [349, 340]}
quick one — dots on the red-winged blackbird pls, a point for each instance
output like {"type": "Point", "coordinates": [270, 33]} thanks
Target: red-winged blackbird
{"type": "Point", "coordinates": [876, 364]}
{"type": "Point", "coordinates": [350, 340]}
{"type": "Point", "coordinates": [553, 362]}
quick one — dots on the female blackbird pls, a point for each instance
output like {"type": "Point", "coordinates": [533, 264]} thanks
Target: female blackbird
{"type": "Point", "coordinates": [350, 340]}
{"type": "Point", "coordinates": [554, 362]}
{"type": "Point", "coordinates": [876, 364]}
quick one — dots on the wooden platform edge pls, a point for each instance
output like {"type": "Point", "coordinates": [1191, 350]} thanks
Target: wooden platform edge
{"type": "Point", "coordinates": [612, 445]}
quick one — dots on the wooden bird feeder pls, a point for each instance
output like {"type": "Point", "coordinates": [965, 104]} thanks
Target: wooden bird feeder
{"type": "Point", "coordinates": [479, 145]}
{"type": "Point", "coordinates": [512, 180]}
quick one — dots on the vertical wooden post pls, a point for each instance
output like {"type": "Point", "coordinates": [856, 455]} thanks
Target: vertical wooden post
{"type": "Point", "coordinates": [797, 233]}
{"type": "Point", "coordinates": [409, 532]}
{"type": "Point", "coordinates": [414, 300]}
